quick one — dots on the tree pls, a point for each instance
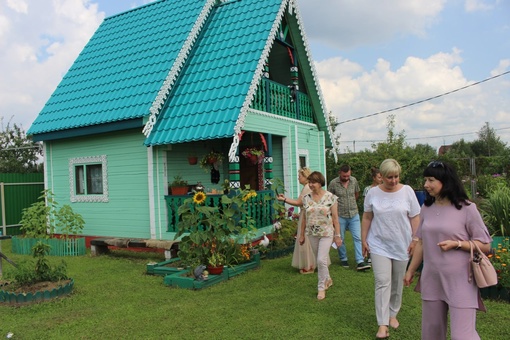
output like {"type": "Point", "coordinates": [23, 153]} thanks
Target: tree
{"type": "Point", "coordinates": [18, 154]}
{"type": "Point", "coordinates": [488, 142]}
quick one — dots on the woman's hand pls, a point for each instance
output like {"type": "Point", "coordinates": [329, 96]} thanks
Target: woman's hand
{"type": "Point", "coordinates": [365, 249]}
{"type": "Point", "coordinates": [280, 197]}
{"type": "Point", "coordinates": [410, 249]}
{"type": "Point", "coordinates": [302, 239]}
{"type": "Point", "coordinates": [408, 278]}
{"type": "Point", "coordinates": [448, 245]}
{"type": "Point", "coordinates": [338, 241]}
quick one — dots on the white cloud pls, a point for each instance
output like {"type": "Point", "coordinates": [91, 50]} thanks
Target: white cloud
{"type": "Point", "coordinates": [345, 24]}
{"type": "Point", "coordinates": [40, 41]}
{"type": "Point", "coordinates": [350, 96]}
{"type": "Point", "coordinates": [19, 6]}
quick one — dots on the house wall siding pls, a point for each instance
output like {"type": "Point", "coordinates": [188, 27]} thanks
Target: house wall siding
{"type": "Point", "coordinates": [294, 136]}
{"type": "Point", "coordinates": [126, 214]}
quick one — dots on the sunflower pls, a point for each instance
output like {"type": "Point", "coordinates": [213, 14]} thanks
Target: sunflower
{"type": "Point", "coordinates": [199, 198]}
{"type": "Point", "coordinates": [249, 195]}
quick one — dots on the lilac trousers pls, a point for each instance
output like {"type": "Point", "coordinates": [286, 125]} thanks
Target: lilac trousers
{"type": "Point", "coordinates": [434, 322]}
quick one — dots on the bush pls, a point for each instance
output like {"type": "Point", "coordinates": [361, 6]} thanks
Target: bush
{"type": "Point", "coordinates": [29, 273]}
{"type": "Point", "coordinates": [43, 218]}
{"type": "Point", "coordinates": [495, 211]}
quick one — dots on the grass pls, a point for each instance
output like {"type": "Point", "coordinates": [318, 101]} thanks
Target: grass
{"type": "Point", "coordinates": [114, 299]}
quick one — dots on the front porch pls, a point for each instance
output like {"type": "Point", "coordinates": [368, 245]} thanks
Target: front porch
{"type": "Point", "coordinates": [260, 209]}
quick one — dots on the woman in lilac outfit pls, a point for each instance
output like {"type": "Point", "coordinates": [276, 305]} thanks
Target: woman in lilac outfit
{"type": "Point", "coordinates": [448, 222]}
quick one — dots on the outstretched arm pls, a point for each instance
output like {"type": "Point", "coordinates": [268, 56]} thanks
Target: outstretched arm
{"type": "Point", "coordinates": [295, 202]}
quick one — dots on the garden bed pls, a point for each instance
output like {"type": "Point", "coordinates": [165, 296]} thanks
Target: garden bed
{"type": "Point", "coordinates": [43, 291]}
{"type": "Point", "coordinates": [176, 276]}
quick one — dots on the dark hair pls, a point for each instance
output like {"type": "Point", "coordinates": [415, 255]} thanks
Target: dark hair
{"type": "Point", "coordinates": [374, 171]}
{"type": "Point", "coordinates": [317, 177]}
{"type": "Point", "coordinates": [453, 189]}
{"type": "Point", "coordinates": [345, 168]}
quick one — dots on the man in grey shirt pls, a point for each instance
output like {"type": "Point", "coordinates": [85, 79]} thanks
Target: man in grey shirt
{"type": "Point", "coordinates": [346, 188]}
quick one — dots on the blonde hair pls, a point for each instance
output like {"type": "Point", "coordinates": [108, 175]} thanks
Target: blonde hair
{"type": "Point", "coordinates": [390, 167]}
{"type": "Point", "coordinates": [305, 172]}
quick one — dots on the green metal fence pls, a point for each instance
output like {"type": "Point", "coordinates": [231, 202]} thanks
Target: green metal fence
{"type": "Point", "coordinates": [17, 191]}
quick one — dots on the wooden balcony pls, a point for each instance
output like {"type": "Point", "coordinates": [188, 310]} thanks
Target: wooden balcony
{"type": "Point", "coordinates": [278, 99]}
{"type": "Point", "coordinates": [260, 209]}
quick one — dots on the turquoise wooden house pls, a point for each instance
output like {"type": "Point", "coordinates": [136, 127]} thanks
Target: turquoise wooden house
{"type": "Point", "coordinates": [179, 78]}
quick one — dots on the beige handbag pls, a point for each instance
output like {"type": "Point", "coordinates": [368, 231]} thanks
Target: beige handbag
{"type": "Point", "coordinates": [481, 268]}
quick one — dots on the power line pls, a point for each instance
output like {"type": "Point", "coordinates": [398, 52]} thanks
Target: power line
{"type": "Point", "coordinates": [414, 138]}
{"type": "Point", "coordinates": [423, 100]}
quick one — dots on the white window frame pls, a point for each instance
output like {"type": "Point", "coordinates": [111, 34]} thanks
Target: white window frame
{"type": "Point", "coordinates": [73, 162]}
{"type": "Point", "coordinates": [303, 153]}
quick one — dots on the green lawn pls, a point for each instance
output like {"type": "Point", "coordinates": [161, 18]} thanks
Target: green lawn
{"type": "Point", "coordinates": [114, 299]}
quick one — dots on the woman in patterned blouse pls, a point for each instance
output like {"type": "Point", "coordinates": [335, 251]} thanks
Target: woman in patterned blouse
{"type": "Point", "coordinates": [320, 225]}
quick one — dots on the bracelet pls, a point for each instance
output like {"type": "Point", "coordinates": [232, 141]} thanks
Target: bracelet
{"type": "Point", "coordinates": [416, 239]}
{"type": "Point", "coordinates": [338, 235]}
{"type": "Point", "coordinates": [459, 245]}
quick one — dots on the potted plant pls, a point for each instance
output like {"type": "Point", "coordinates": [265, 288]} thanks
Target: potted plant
{"type": "Point", "coordinates": [179, 186]}
{"type": "Point", "coordinates": [215, 263]}
{"type": "Point", "coordinates": [212, 159]}
{"type": "Point", "coordinates": [45, 218]}
{"type": "Point", "coordinates": [254, 155]}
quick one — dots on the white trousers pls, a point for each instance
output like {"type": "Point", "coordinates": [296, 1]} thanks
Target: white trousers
{"type": "Point", "coordinates": [389, 283]}
{"type": "Point", "coordinates": [321, 247]}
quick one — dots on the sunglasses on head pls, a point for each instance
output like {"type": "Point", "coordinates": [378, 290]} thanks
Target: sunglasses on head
{"type": "Point", "coordinates": [435, 164]}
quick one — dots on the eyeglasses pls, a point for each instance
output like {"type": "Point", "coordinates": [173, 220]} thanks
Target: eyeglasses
{"type": "Point", "coordinates": [435, 164]}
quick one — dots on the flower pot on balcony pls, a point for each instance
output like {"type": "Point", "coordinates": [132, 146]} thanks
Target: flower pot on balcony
{"type": "Point", "coordinates": [179, 190]}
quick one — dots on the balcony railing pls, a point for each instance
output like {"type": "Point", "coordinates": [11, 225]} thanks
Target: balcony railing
{"type": "Point", "coordinates": [277, 98]}
{"type": "Point", "coordinates": [259, 208]}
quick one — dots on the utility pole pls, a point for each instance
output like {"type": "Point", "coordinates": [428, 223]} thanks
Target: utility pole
{"type": "Point", "coordinates": [472, 167]}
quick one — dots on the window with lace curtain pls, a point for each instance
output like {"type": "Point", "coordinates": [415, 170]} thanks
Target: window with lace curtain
{"type": "Point", "coordinates": [88, 179]}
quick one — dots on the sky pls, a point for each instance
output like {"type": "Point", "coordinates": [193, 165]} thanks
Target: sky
{"type": "Point", "coordinates": [370, 56]}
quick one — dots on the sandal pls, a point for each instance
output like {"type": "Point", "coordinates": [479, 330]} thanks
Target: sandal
{"type": "Point", "coordinates": [321, 295]}
{"type": "Point", "coordinates": [329, 283]}
{"type": "Point", "coordinates": [304, 271]}
{"type": "Point", "coordinates": [384, 335]}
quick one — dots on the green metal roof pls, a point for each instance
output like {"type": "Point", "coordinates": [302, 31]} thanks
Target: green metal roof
{"type": "Point", "coordinates": [121, 69]}
{"type": "Point", "coordinates": [189, 68]}
{"type": "Point", "coordinates": [208, 97]}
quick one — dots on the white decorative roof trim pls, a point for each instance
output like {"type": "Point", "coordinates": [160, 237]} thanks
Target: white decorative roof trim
{"type": "Point", "coordinates": [232, 157]}
{"type": "Point", "coordinates": [312, 66]}
{"type": "Point", "coordinates": [103, 198]}
{"type": "Point", "coordinates": [159, 102]}
{"type": "Point", "coordinates": [258, 75]}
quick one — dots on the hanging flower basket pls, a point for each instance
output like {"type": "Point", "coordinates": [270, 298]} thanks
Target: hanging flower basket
{"type": "Point", "coordinates": [255, 155]}
{"type": "Point", "coordinates": [212, 159]}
